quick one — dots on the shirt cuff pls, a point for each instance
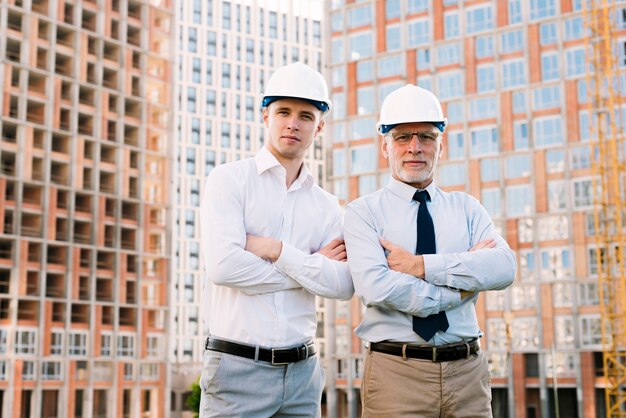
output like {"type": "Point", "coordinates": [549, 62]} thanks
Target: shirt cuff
{"type": "Point", "coordinates": [290, 260]}
{"type": "Point", "coordinates": [435, 269]}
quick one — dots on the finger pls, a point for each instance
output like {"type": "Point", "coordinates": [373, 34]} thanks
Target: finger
{"type": "Point", "coordinates": [386, 244]}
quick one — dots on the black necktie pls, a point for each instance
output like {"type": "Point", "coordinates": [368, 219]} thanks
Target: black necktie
{"type": "Point", "coordinates": [427, 327]}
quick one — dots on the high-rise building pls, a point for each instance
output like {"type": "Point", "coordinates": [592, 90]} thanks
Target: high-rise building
{"type": "Point", "coordinates": [226, 51]}
{"type": "Point", "coordinates": [84, 265]}
{"type": "Point", "coordinates": [511, 76]}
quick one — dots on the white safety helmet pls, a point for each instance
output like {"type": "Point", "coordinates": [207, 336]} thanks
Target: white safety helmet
{"type": "Point", "coordinates": [297, 80]}
{"type": "Point", "coordinates": [410, 104]}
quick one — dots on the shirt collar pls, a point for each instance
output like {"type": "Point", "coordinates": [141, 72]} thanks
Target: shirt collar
{"type": "Point", "coordinates": [265, 161]}
{"type": "Point", "coordinates": [406, 191]}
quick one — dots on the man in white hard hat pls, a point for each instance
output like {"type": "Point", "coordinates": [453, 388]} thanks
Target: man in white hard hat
{"type": "Point", "coordinates": [419, 257]}
{"type": "Point", "coordinates": [272, 241]}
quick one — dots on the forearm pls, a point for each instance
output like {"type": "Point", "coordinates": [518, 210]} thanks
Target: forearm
{"type": "Point", "coordinates": [487, 269]}
{"type": "Point", "coordinates": [317, 273]}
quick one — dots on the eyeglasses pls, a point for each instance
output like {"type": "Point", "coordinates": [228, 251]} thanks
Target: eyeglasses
{"type": "Point", "coordinates": [425, 138]}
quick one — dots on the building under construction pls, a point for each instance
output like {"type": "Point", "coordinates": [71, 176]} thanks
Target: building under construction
{"type": "Point", "coordinates": [534, 94]}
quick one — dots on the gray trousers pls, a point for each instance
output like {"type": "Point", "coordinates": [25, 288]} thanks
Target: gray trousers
{"type": "Point", "coordinates": [239, 387]}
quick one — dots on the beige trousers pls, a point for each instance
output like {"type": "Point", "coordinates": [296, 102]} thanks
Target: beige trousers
{"type": "Point", "coordinates": [393, 387]}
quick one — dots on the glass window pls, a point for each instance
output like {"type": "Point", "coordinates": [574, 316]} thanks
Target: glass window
{"type": "Point", "coordinates": [547, 97]}
{"type": "Point", "coordinates": [564, 331]}
{"type": "Point", "coordinates": [574, 28]}
{"type": "Point", "coordinates": [580, 158]}
{"type": "Point", "coordinates": [562, 295]}
{"type": "Point", "coordinates": [56, 343]}
{"type": "Point", "coordinates": [393, 38]}
{"type": "Point", "coordinates": [455, 111]}
{"type": "Point", "coordinates": [363, 159]}
{"type": "Point", "coordinates": [456, 146]}
{"type": "Point", "coordinates": [491, 200]}
{"type": "Point", "coordinates": [363, 128]}
{"type": "Point", "coordinates": [452, 174]}
{"type": "Point", "coordinates": [359, 16]}
{"type": "Point", "coordinates": [484, 46]}
{"type": "Point", "coordinates": [555, 161]}
{"type": "Point", "coordinates": [391, 66]}
{"type": "Point", "coordinates": [590, 331]}
{"type": "Point", "coordinates": [450, 84]}
{"type": "Point", "coordinates": [419, 32]}
{"type": "Point", "coordinates": [554, 227]}
{"type": "Point", "coordinates": [77, 344]}
{"type": "Point", "coordinates": [558, 198]}
{"type": "Point", "coordinates": [483, 108]}
{"type": "Point", "coordinates": [337, 53]}
{"type": "Point", "coordinates": [392, 9]}
{"type": "Point", "coordinates": [526, 335]}
{"type": "Point", "coordinates": [25, 342]}
{"type": "Point", "coordinates": [519, 102]}
{"type": "Point", "coordinates": [417, 6]}
{"type": "Point", "coordinates": [489, 169]}
{"type": "Point", "coordinates": [547, 131]}
{"type": "Point", "coordinates": [448, 54]}
{"type": "Point", "coordinates": [520, 135]}
{"type": "Point", "coordinates": [511, 41]}
{"type": "Point", "coordinates": [527, 271]}
{"type": "Point", "coordinates": [547, 33]}
{"type": "Point", "coordinates": [513, 73]}
{"type": "Point", "coordinates": [451, 26]}
{"type": "Point", "coordinates": [367, 184]}
{"type": "Point", "coordinates": [575, 61]}
{"type": "Point", "coordinates": [517, 166]}
{"type": "Point", "coordinates": [423, 59]}
{"type": "Point", "coordinates": [339, 162]}
{"type": "Point", "coordinates": [339, 105]}
{"type": "Point", "coordinates": [583, 193]}
{"type": "Point", "coordinates": [549, 66]}
{"type": "Point", "coordinates": [361, 45]}
{"type": "Point", "coordinates": [519, 200]}
{"type": "Point", "coordinates": [479, 19]}
{"type": "Point", "coordinates": [588, 294]}
{"type": "Point", "coordinates": [540, 9]}
{"type": "Point", "coordinates": [523, 297]}
{"type": "Point", "coordinates": [364, 71]}
{"type": "Point", "coordinates": [366, 102]}
{"type": "Point", "coordinates": [485, 78]}
{"type": "Point", "coordinates": [515, 11]}
{"type": "Point", "coordinates": [484, 141]}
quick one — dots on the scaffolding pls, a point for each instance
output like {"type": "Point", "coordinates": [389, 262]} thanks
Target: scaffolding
{"type": "Point", "coordinates": [606, 79]}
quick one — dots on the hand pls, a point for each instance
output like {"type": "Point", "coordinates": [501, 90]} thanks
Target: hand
{"type": "Point", "coordinates": [401, 260]}
{"type": "Point", "coordinates": [335, 250]}
{"type": "Point", "coordinates": [488, 243]}
{"type": "Point", "coordinates": [264, 247]}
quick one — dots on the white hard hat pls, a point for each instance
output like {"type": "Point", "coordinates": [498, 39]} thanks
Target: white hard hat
{"type": "Point", "coordinates": [297, 80]}
{"type": "Point", "coordinates": [410, 104]}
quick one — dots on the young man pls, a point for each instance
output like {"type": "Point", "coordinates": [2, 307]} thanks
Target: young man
{"type": "Point", "coordinates": [271, 242]}
{"type": "Point", "coordinates": [419, 257]}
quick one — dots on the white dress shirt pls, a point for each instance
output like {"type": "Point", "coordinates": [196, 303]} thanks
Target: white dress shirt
{"type": "Point", "coordinates": [246, 298]}
{"type": "Point", "coordinates": [391, 298]}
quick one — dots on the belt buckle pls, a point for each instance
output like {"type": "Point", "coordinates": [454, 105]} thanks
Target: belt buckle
{"type": "Point", "coordinates": [274, 362]}
{"type": "Point", "coordinates": [434, 354]}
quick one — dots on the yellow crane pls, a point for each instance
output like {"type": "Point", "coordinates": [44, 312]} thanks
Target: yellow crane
{"type": "Point", "coordinates": [605, 81]}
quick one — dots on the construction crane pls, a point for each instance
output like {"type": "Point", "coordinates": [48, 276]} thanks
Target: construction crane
{"type": "Point", "coordinates": [605, 82]}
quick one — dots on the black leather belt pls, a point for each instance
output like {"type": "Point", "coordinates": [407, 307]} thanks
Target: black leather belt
{"type": "Point", "coordinates": [276, 356]}
{"type": "Point", "coordinates": [449, 352]}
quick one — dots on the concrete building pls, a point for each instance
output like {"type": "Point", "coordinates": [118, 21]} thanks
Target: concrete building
{"type": "Point", "coordinates": [84, 260]}
{"type": "Point", "coordinates": [511, 75]}
{"type": "Point", "coordinates": [226, 50]}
